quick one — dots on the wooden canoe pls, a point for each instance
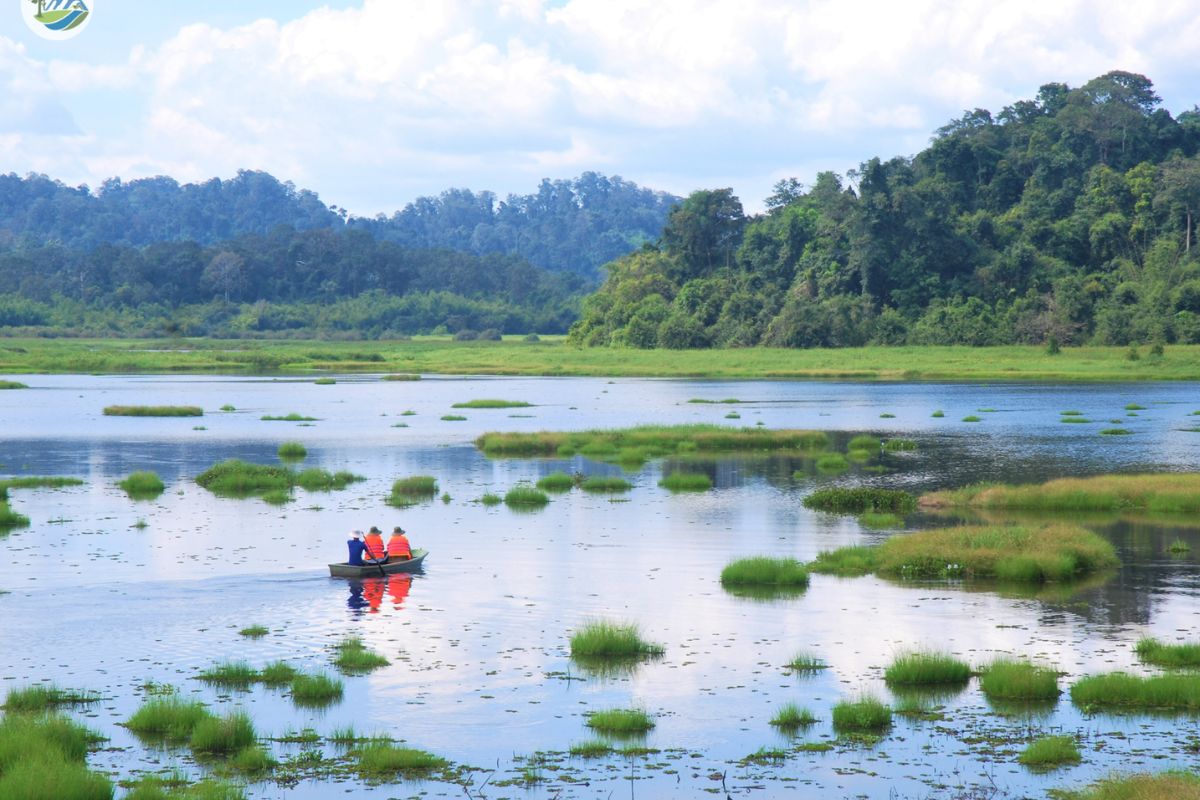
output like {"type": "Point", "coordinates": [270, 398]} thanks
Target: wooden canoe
{"type": "Point", "coordinates": [345, 570]}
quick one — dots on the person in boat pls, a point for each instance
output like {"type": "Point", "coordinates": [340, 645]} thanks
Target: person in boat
{"type": "Point", "coordinates": [356, 546]}
{"type": "Point", "coordinates": [398, 548]}
{"type": "Point", "coordinates": [376, 553]}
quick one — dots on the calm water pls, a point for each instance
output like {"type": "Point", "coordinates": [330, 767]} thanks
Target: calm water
{"type": "Point", "coordinates": [480, 671]}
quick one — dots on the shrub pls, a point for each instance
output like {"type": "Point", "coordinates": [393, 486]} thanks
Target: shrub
{"type": "Point", "coordinates": [1050, 751]}
{"type": "Point", "coordinates": [315, 691]}
{"type": "Point", "coordinates": [792, 716]}
{"type": "Point", "coordinates": [292, 450]}
{"type": "Point", "coordinates": [764, 571]}
{"type": "Point", "coordinates": [1012, 679]}
{"type": "Point", "coordinates": [686, 482]}
{"type": "Point", "coordinates": [864, 715]}
{"type": "Point", "coordinates": [153, 411]}
{"type": "Point", "coordinates": [525, 496]}
{"type": "Point", "coordinates": [615, 640]}
{"type": "Point", "coordinates": [354, 658]}
{"type": "Point", "coordinates": [860, 499]}
{"type": "Point", "coordinates": [923, 669]}
{"type": "Point", "coordinates": [620, 721]}
{"type": "Point", "coordinates": [143, 485]}
{"type": "Point", "coordinates": [556, 482]}
{"type": "Point", "coordinates": [222, 735]}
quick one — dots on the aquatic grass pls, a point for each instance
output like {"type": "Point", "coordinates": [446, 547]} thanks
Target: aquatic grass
{"type": "Point", "coordinates": [766, 755]}
{"type": "Point", "coordinates": [355, 658]}
{"type": "Point", "coordinates": [1134, 407]}
{"type": "Point", "coordinates": [653, 441]}
{"type": "Point", "coordinates": [899, 445]}
{"type": "Point", "coordinates": [1177, 492]}
{"type": "Point", "coordinates": [1007, 678]}
{"type": "Point", "coordinates": [143, 485]}
{"type": "Point", "coordinates": [938, 414]}
{"type": "Point", "coordinates": [592, 748]}
{"type": "Point", "coordinates": [806, 662]}
{"type": "Point", "coordinates": [1153, 651]}
{"type": "Point", "coordinates": [254, 631]}
{"type": "Point", "coordinates": [169, 717]}
{"type": "Point", "coordinates": [7, 385]}
{"type": "Point", "coordinates": [605, 483]}
{"type": "Point", "coordinates": [292, 451]}
{"type": "Point", "coordinates": [486, 403]}
{"type": "Point", "coordinates": [276, 497]}
{"type": "Point", "coordinates": [877, 521]}
{"type": "Point", "coordinates": [315, 691]}
{"type": "Point", "coordinates": [234, 674]}
{"type": "Point", "coordinates": [235, 478]}
{"type": "Point", "coordinates": [228, 407]}
{"type": "Point", "coordinates": [40, 698]}
{"type": "Point", "coordinates": [791, 715]}
{"type": "Point", "coordinates": [846, 562]}
{"type": "Point", "coordinates": [1173, 785]}
{"type": "Point", "coordinates": [556, 482]}
{"type": "Point", "coordinates": [153, 411]}
{"type": "Point", "coordinates": [490, 499]}
{"type": "Point", "coordinates": [1071, 413]}
{"type": "Point", "coordinates": [832, 462]}
{"type": "Point", "coordinates": [924, 668]}
{"type": "Point", "coordinates": [727, 401]}
{"type": "Point", "coordinates": [1050, 751]}
{"type": "Point", "coordinates": [406, 491]}
{"type": "Point", "coordinates": [1076, 420]}
{"type": "Point", "coordinates": [860, 499]}
{"type": "Point", "coordinates": [314, 479]}
{"type": "Point", "coordinates": [620, 721]}
{"type": "Point", "coordinates": [1173, 691]}
{"type": "Point", "coordinates": [36, 482]}
{"type": "Point", "coordinates": [222, 735]}
{"type": "Point", "coordinates": [686, 482]}
{"type": "Point", "coordinates": [524, 495]}
{"type": "Point", "coordinates": [252, 761]}
{"type": "Point", "coordinates": [1116, 432]}
{"type": "Point", "coordinates": [325, 381]}
{"type": "Point", "coordinates": [380, 759]}
{"type": "Point", "coordinates": [1179, 547]}
{"type": "Point", "coordinates": [764, 571]}
{"type": "Point", "coordinates": [864, 441]}
{"type": "Point", "coordinates": [453, 418]}
{"type": "Point", "coordinates": [401, 376]}
{"type": "Point", "coordinates": [44, 777]}
{"type": "Point", "coordinates": [733, 415]}
{"type": "Point", "coordinates": [602, 639]}
{"type": "Point", "coordinates": [864, 715]}
{"type": "Point", "coordinates": [971, 418]}
{"type": "Point", "coordinates": [289, 417]}
{"type": "Point", "coordinates": [11, 519]}
{"type": "Point", "coordinates": [277, 673]}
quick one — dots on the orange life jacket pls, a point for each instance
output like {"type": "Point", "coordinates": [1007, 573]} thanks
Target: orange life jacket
{"type": "Point", "coordinates": [398, 546]}
{"type": "Point", "coordinates": [374, 543]}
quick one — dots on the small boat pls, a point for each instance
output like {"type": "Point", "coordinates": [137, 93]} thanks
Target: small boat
{"type": "Point", "coordinates": [345, 570]}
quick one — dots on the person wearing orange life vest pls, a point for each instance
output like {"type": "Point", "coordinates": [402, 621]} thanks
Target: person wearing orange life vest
{"type": "Point", "coordinates": [398, 548]}
{"type": "Point", "coordinates": [375, 550]}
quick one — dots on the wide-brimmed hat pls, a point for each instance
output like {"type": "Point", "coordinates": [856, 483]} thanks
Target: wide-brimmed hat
{"type": "Point", "coordinates": [356, 534]}
{"type": "Point", "coordinates": [375, 530]}
{"type": "Point", "coordinates": [397, 529]}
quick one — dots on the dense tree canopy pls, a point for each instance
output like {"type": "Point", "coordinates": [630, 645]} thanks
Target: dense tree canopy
{"type": "Point", "coordinates": [1070, 216]}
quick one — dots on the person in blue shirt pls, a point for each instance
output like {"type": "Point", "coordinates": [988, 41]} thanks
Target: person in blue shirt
{"type": "Point", "coordinates": [357, 546]}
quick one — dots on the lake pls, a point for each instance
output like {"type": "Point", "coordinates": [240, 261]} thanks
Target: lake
{"type": "Point", "coordinates": [106, 593]}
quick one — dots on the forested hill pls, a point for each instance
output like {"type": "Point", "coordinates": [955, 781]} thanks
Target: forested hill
{"type": "Point", "coordinates": [1069, 217]}
{"type": "Point", "coordinates": [567, 225]}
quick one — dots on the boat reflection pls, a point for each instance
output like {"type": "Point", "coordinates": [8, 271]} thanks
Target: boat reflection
{"type": "Point", "coordinates": [367, 594]}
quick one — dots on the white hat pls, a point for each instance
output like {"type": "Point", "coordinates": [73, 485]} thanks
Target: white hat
{"type": "Point", "coordinates": [356, 534]}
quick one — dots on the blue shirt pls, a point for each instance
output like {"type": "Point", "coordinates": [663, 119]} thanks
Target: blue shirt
{"type": "Point", "coordinates": [356, 552]}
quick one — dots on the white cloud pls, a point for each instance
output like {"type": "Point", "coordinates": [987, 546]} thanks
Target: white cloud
{"type": "Point", "coordinates": [374, 104]}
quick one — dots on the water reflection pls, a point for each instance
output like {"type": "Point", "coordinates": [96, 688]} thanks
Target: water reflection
{"type": "Point", "coordinates": [367, 594]}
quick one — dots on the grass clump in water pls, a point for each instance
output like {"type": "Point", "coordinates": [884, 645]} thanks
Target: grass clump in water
{"type": "Point", "coordinates": [355, 658]}
{"type": "Point", "coordinates": [1159, 493]}
{"type": "Point", "coordinates": [899, 445]}
{"type": "Point", "coordinates": [1116, 432]}
{"type": "Point", "coordinates": [1178, 547]}
{"type": "Point", "coordinates": [12, 385]}
{"type": "Point", "coordinates": [1134, 407]}
{"type": "Point", "coordinates": [880, 521]}
{"type": "Point", "coordinates": [1153, 651]}
{"type": "Point", "coordinates": [1076, 420]}
{"type": "Point", "coordinates": [807, 662]}
{"type": "Point", "coordinates": [790, 716]}
{"type": "Point", "coordinates": [381, 759]}
{"type": "Point", "coordinates": [223, 735]}
{"type": "Point", "coordinates": [926, 669]}
{"type": "Point", "coordinates": [652, 441]}
{"type": "Point", "coordinates": [290, 417]}
{"type": "Point", "coordinates": [1175, 692]}
{"type": "Point", "coordinates": [10, 518]}
{"type": "Point", "coordinates": [971, 418]}
{"type": "Point", "coordinates": [325, 381]}
{"type": "Point", "coordinates": [45, 697]}
{"type": "Point", "coordinates": [1050, 751]}
{"type": "Point", "coordinates": [1165, 786]}
{"type": "Point", "coordinates": [860, 499]}
{"type": "Point", "coordinates": [846, 562]}
{"type": "Point", "coordinates": [292, 451]}
{"type": "Point", "coordinates": [1012, 679]}
{"type": "Point", "coordinates": [493, 404]}
{"type": "Point", "coordinates": [525, 496]}
{"type": "Point", "coordinates": [254, 631]}
{"type": "Point", "coordinates": [864, 715]}
{"type": "Point", "coordinates": [763, 571]}
{"type": "Point", "coordinates": [43, 759]}
{"type": "Point", "coordinates": [143, 485]}
{"type": "Point", "coordinates": [864, 442]}
{"type": "Point", "coordinates": [490, 499]}
{"type": "Point", "coordinates": [620, 721]}
{"type": "Point", "coordinates": [153, 411]}
{"type": "Point", "coordinates": [407, 491]}
{"type": "Point", "coordinates": [686, 482]}
{"type": "Point", "coordinates": [277, 673]}
{"type": "Point", "coordinates": [252, 761]}
{"type": "Point", "coordinates": [320, 480]}
{"type": "Point", "coordinates": [234, 674]}
{"type": "Point", "coordinates": [612, 640]}
{"type": "Point", "coordinates": [401, 376]}
{"type": "Point", "coordinates": [605, 483]}
{"type": "Point", "coordinates": [593, 748]}
{"type": "Point", "coordinates": [235, 478]}
{"type": "Point", "coordinates": [556, 482]}
{"type": "Point", "coordinates": [1071, 413]}
{"type": "Point", "coordinates": [315, 691]}
{"type": "Point", "coordinates": [832, 462]}
{"type": "Point", "coordinates": [169, 718]}
{"type": "Point", "coordinates": [938, 414]}
{"type": "Point", "coordinates": [453, 418]}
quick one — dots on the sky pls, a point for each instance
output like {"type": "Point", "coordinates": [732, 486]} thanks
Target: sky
{"type": "Point", "coordinates": [372, 103]}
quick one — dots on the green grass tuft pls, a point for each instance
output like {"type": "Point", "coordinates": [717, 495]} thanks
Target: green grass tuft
{"type": "Point", "coordinates": [493, 404]}
{"type": "Point", "coordinates": [806, 662]}
{"type": "Point", "coordinates": [925, 669]}
{"type": "Point", "coordinates": [289, 417]}
{"type": "Point", "coordinates": [490, 499]}
{"type": "Point", "coordinates": [1050, 751]}
{"type": "Point", "coordinates": [277, 673]}
{"type": "Point", "coordinates": [170, 718]}
{"type": "Point", "coordinates": [938, 414]}
{"type": "Point", "coordinates": [453, 418]}
{"type": "Point", "coordinates": [860, 499]}
{"type": "Point", "coordinates": [315, 691]}
{"type": "Point", "coordinates": [899, 445]}
{"type": "Point", "coordinates": [253, 761]}
{"type": "Point", "coordinates": [223, 735]}
{"type": "Point", "coordinates": [605, 484]}
{"type": "Point", "coordinates": [593, 748]}
{"type": "Point", "coordinates": [864, 715]}
{"type": "Point", "coordinates": [1179, 547]}
{"type": "Point", "coordinates": [401, 376]}
{"type": "Point", "coordinates": [878, 521]}
{"type": "Point", "coordinates": [406, 491]}
{"type": "Point", "coordinates": [1116, 432]}
{"type": "Point", "coordinates": [234, 478]}
{"type": "Point", "coordinates": [325, 381]}
{"type": "Point", "coordinates": [292, 451]}
{"type": "Point", "coordinates": [153, 411]}
{"type": "Point", "coordinates": [143, 485]}
{"type": "Point", "coordinates": [234, 674]}
{"type": "Point", "coordinates": [612, 640]}
{"type": "Point", "coordinates": [971, 418]}
{"type": "Point", "coordinates": [686, 482]}
{"type": "Point", "coordinates": [254, 631]}
{"type": "Point", "coordinates": [765, 571]}
{"type": "Point", "coordinates": [1159, 493]}
{"type": "Point", "coordinates": [1152, 651]}
{"type": "Point", "coordinates": [525, 496]}
{"type": "Point", "coordinates": [12, 385]}
{"type": "Point", "coordinates": [354, 658]}
{"type": "Point", "coordinates": [846, 562]}
{"type": "Point", "coordinates": [651, 441]}
{"type": "Point", "coordinates": [40, 698]}
{"type": "Point", "coordinates": [1076, 420]}
{"type": "Point", "coordinates": [832, 462]}
{"type": "Point", "coordinates": [620, 721]}
{"type": "Point", "coordinates": [1134, 407]}
{"type": "Point", "coordinates": [1174, 785]}
{"type": "Point", "coordinates": [380, 760]}
{"type": "Point", "coordinates": [556, 482]}
{"type": "Point", "coordinates": [1174, 692]}
{"type": "Point", "coordinates": [791, 715]}
{"type": "Point", "coordinates": [1012, 679]}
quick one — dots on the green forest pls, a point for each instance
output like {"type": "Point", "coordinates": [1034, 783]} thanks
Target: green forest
{"type": "Point", "coordinates": [1065, 219]}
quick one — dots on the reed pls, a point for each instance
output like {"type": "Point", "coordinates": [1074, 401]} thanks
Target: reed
{"type": "Point", "coordinates": [171, 718]}
{"type": "Point", "coordinates": [143, 485]}
{"type": "Point", "coordinates": [652, 441]}
{"type": "Point", "coordinates": [791, 716]}
{"type": "Point", "coordinates": [40, 698]}
{"type": "Point", "coordinates": [222, 735]}
{"type": "Point", "coordinates": [605, 484]}
{"type": "Point", "coordinates": [865, 715]}
{"type": "Point", "coordinates": [765, 571]}
{"type": "Point", "coordinates": [686, 482]}
{"type": "Point", "coordinates": [380, 759]}
{"type": "Point", "coordinates": [355, 658]}
{"type": "Point", "coordinates": [1175, 493]}
{"type": "Point", "coordinates": [292, 451]}
{"type": "Point", "coordinates": [525, 496]}
{"type": "Point", "coordinates": [153, 411]}
{"type": "Point", "coordinates": [925, 669]}
{"type": "Point", "coordinates": [1173, 692]}
{"type": "Point", "coordinates": [1050, 751]}
{"type": "Point", "coordinates": [860, 499]}
{"type": "Point", "coordinates": [1012, 679]}
{"type": "Point", "coordinates": [315, 691]}
{"type": "Point", "coordinates": [556, 482]}
{"type": "Point", "coordinates": [602, 639]}
{"type": "Point", "coordinates": [487, 403]}
{"type": "Point", "coordinates": [620, 721]}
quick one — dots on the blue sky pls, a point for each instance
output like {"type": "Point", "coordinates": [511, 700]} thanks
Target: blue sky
{"type": "Point", "coordinates": [374, 102]}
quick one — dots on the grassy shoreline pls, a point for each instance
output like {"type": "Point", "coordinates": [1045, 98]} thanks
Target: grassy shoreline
{"type": "Point", "coordinates": [553, 357]}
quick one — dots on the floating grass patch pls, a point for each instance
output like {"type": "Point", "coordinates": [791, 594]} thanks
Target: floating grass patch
{"type": "Point", "coordinates": [153, 411]}
{"type": "Point", "coordinates": [806, 662]}
{"type": "Point", "coordinates": [605, 484]}
{"type": "Point", "coordinates": [45, 697]}
{"type": "Point", "coordinates": [1076, 420]}
{"type": "Point", "coordinates": [228, 407]}
{"type": "Point", "coordinates": [859, 500]}
{"type": "Point", "coordinates": [863, 715]}
{"type": "Point", "coordinates": [401, 376]}
{"type": "Point", "coordinates": [234, 674]}
{"type": "Point", "coordinates": [143, 485]}
{"type": "Point", "coordinates": [315, 691]}
{"type": "Point", "coordinates": [277, 497]}
{"type": "Point", "coordinates": [1179, 547]}
{"type": "Point", "coordinates": [1071, 413]}
{"type": "Point", "coordinates": [325, 381]}
{"type": "Point", "coordinates": [487, 403]}
{"type": "Point", "coordinates": [320, 480]}
{"type": "Point", "coordinates": [620, 721]}
{"type": "Point", "coordinates": [1116, 432]}
{"type": "Point", "coordinates": [926, 669]}
{"type": "Point", "coordinates": [1159, 493]}
{"type": "Point", "coordinates": [223, 735]}
{"type": "Point", "coordinates": [727, 400]}
{"type": "Point", "coordinates": [290, 417]}
{"type": "Point", "coordinates": [235, 478]}
{"type": "Point", "coordinates": [453, 418]}
{"type": "Point", "coordinates": [1153, 651]}
{"type": "Point", "coordinates": [170, 718]}
{"type": "Point", "coordinates": [938, 414]}
{"type": "Point", "coordinates": [254, 632]}
{"type": "Point", "coordinates": [1134, 407]}
{"type": "Point", "coordinates": [602, 639]}
{"type": "Point", "coordinates": [556, 482]}
{"type": "Point", "coordinates": [277, 673]}
{"type": "Point", "coordinates": [686, 482]}
{"type": "Point", "coordinates": [292, 451]}
{"type": "Point", "coordinates": [899, 445]}
{"type": "Point", "coordinates": [525, 496]}
{"type": "Point", "coordinates": [252, 761]}
{"type": "Point", "coordinates": [791, 716]}
{"type": "Point", "coordinates": [877, 521]}
{"type": "Point", "coordinates": [1165, 786]}
{"type": "Point", "coordinates": [653, 441]}
{"type": "Point", "coordinates": [5, 385]}
{"type": "Point", "coordinates": [846, 562]}
{"type": "Point", "coordinates": [832, 462]}
{"type": "Point", "coordinates": [1120, 690]}
{"type": "Point", "coordinates": [355, 658]}
{"type": "Point", "coordinates": [592, 748]}
{"type": "Point", "coordinates": [1050, 751]}
{"type": "Point", "coordinates": [380, 759]}
{"type": "Point", "coordinates": [766, 572]}
{"type": "Point", "coordinates": [489, 499]}
{"type": "Point", "coordinates": [733, 415]}
{"type": "Point", "coordinates": [1017, 679]}
{"type": "Point", "coordinates": [971, 418]}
